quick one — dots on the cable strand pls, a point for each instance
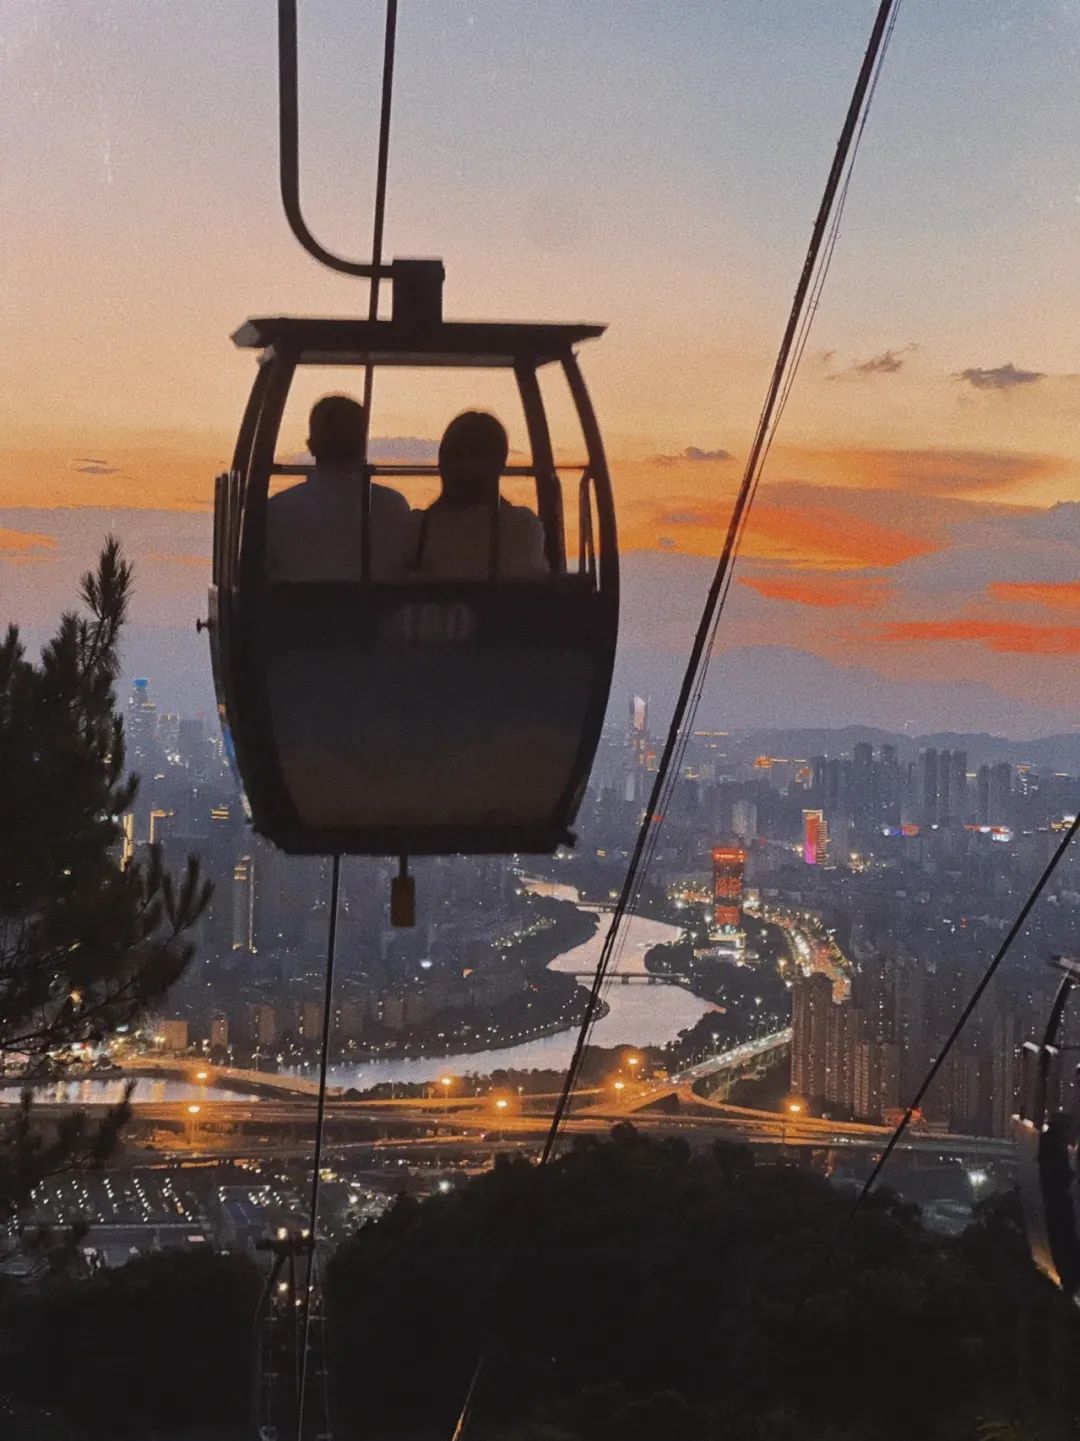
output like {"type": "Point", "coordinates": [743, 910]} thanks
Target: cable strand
{"type": "Point", "coordinates": [320, 1126]}
{"type": "Point", "coordinates": [692, 684]}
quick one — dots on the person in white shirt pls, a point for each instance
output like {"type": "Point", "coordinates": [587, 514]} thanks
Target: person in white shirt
{"type": "Point", "coordinates": [314, 530]}
{"type": "Point", "coordinates": [470, 533]}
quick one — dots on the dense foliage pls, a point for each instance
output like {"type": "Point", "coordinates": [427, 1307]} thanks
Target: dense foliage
{"type": "Point", "coordinates": [163, 1343]}
{"type": "Point", "coordinates": [632, 1291]}
{"type": "Point", "coordinates": [636, 1289]}
{"type": "Point", "coordinates": [87, 941]}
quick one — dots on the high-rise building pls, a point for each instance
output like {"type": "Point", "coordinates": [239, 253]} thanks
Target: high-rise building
{"type": "Point", "coordinates": [876, 1087]}
{"type": "Point", "coordinates": [744, 819]}
{"type": "Point", "coordinates": [955, 1095]}
{"type": "Point", "coordinates": [812, 1008]}
{"type": "Point", "coordinates": [1004, 1070]}
{"type": "Point", "coordinates": [982, 795]}
{"type": "Point", "coordinates": [243, 915]}
{"type": "Point", "coordinates": [310, 1021]}
{"type": "Point", "coordinates": [262, 1023]}
{"type": "Point", "coordinates": [140, 726]}
{"type": "Point", "coordinates": [928, 763]}
{"type": "Point", "coordinates": [958, 787]}
{"type": "Point", "coordinates": [192, 748]}
{"type": "Point", "coordinates": [219, 1033]}
{"type": "Point", "coordinates": [841, 1034]}
{"type": "Point", "coordinates": [168, 735]}
{"type": "Point", "coordinates": [815, 837]}
{"type": "Point", "coordinates": [910, 1027]}
{"type": "Point", "coordinates": [1000, 799]}
{"type": "Point", "coordinates": [729, 865]}
{"type": "Point", "coordinates": [637, 746]}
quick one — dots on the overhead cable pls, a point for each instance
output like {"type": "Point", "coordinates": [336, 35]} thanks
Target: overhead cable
{"type": "Point", "coordinates": [791, 347]}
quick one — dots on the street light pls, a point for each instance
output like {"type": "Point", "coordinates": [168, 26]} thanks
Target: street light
{"type": "Point", "coordinates": [202, 1075]}
{"type": "Point", "coordinates": [791, 1108]}
{"type": "Point", "coordinates": [446, 1083]}
{"type": "Point", "coordinates": [620, 1085]}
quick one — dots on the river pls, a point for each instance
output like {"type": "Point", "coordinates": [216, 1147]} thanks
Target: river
{"type": "Point", "coordinates": [637, 1015]}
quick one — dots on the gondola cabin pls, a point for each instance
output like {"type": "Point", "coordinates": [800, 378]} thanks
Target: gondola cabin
{"type": "Point", "coordinates": [1047, 1131]}
{"type": "Point", "coordinates": [408, 715]}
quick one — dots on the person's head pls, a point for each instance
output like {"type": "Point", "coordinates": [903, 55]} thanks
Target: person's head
{"type": "Point", "coordinates": [472, 455]}
{"type": "Point", "coordinates": [336, 430]}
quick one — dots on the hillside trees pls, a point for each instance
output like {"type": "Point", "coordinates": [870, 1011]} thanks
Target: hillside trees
{"type": "Point", "coordinates": [88, 941]}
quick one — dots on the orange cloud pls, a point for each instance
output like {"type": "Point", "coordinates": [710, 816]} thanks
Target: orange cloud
{"type": "Point", "coordinates": [1063, 595]}
{"type": "Point", "coordinates": [803, 533]}
{"type": "Point", "coordinates": [20, 542]}
{"type": "Point", "coordinates": [855, 592]}
{"type": "Point", "coordinates": [146, 471]}
{"type": "Point", "coordinates": [926, 472]}
{"type": "Point", "coordinates": [1007, 636]}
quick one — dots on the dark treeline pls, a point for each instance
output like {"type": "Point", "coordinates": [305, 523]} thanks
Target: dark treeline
{"type": "Point", "coordinates": [632, 1291]}
{"type": "Point", "coordinates": [638, 1290]}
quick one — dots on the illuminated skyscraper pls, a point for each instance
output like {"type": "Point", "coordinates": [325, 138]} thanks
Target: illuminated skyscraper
{"type": "Point", "coordinates": [812, 1011]}
{"type": "Point", "coordinates": [729, 864]}
{"type": "Point", "coordinates": [243, 927]}
{"type": "Point", "coordinates": [140, 726]}
{"type": "Point", "coordinates": [815, 837]}
{"type": "Point", "coordinates": [637, 745]}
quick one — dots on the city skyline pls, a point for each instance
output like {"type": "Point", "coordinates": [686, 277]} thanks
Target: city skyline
{"type": "Point", "coordinates": [916, 530]}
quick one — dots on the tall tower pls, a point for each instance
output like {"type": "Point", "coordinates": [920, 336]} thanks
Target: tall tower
{"type": "Point", "coordinates": [1000, 800]}
{"type": "Point", "coordinates": [929, 762]}
{"type": "Point", "coordinates": [815, 837]}
{"type": "Point", "coordinates": [812, 1010]}
{"type": "Point", "coordinates": [243, 898]}
{"type": "Point", "coordinates": [958, 789]}
{"type": "Point", "coordinates": [141, 725]}
{"type": "Point", "coordinates": [729, 864]}
{"type": "Point", "coordinates": [637, 749]}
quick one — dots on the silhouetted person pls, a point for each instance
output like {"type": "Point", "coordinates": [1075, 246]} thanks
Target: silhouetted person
{"type": "Point", "coordinates": [314, 530]}
{"type": "Point", "coordinates": [470, 532]}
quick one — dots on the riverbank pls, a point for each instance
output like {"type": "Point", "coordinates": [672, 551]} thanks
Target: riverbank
{"type": "Point", "coordinates": [634, 1015]}
{"type": "Point", "coordinates": [417, 1052]}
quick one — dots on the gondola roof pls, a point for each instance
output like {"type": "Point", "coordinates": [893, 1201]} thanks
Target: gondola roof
{"type": "Point", "coordinates": [325, 341]}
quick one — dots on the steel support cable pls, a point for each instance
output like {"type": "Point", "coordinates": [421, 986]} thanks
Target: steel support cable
{"type": "Point", "coordinates": [802, 337]}
{"type": "Point", "coordinates": [381, 170]}
{"type": "Point", "coordinates": [320, 1126]}
{"type": "Point", "coordinates": [954, 1035]}
{"type": "Point", "coordinates": [693, 679]}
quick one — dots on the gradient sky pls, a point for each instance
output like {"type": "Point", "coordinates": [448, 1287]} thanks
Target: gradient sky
{"type": "Point", "coordinates": [651, 165]}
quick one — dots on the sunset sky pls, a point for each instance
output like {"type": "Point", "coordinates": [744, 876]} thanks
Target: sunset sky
{"type": "Point", "coordinates": [652, 165]}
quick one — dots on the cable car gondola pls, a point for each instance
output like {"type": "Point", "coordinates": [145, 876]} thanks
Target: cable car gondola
{"type": "Point", "coordinates": [413, 717]}
{"type": "Point", "coordinates": [1047, 1132]}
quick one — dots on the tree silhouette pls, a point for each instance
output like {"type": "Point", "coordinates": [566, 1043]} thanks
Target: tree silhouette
{"type": "Point", "coordinates": [637, 1288]}
{"type": "Point", "coordinates": [87, 941]}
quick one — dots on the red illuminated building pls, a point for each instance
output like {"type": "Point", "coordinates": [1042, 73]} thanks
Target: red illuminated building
{"type": "Point", "coordinates": [815, 837]}
{"type": "Point", "coordinates": [729, 863]}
